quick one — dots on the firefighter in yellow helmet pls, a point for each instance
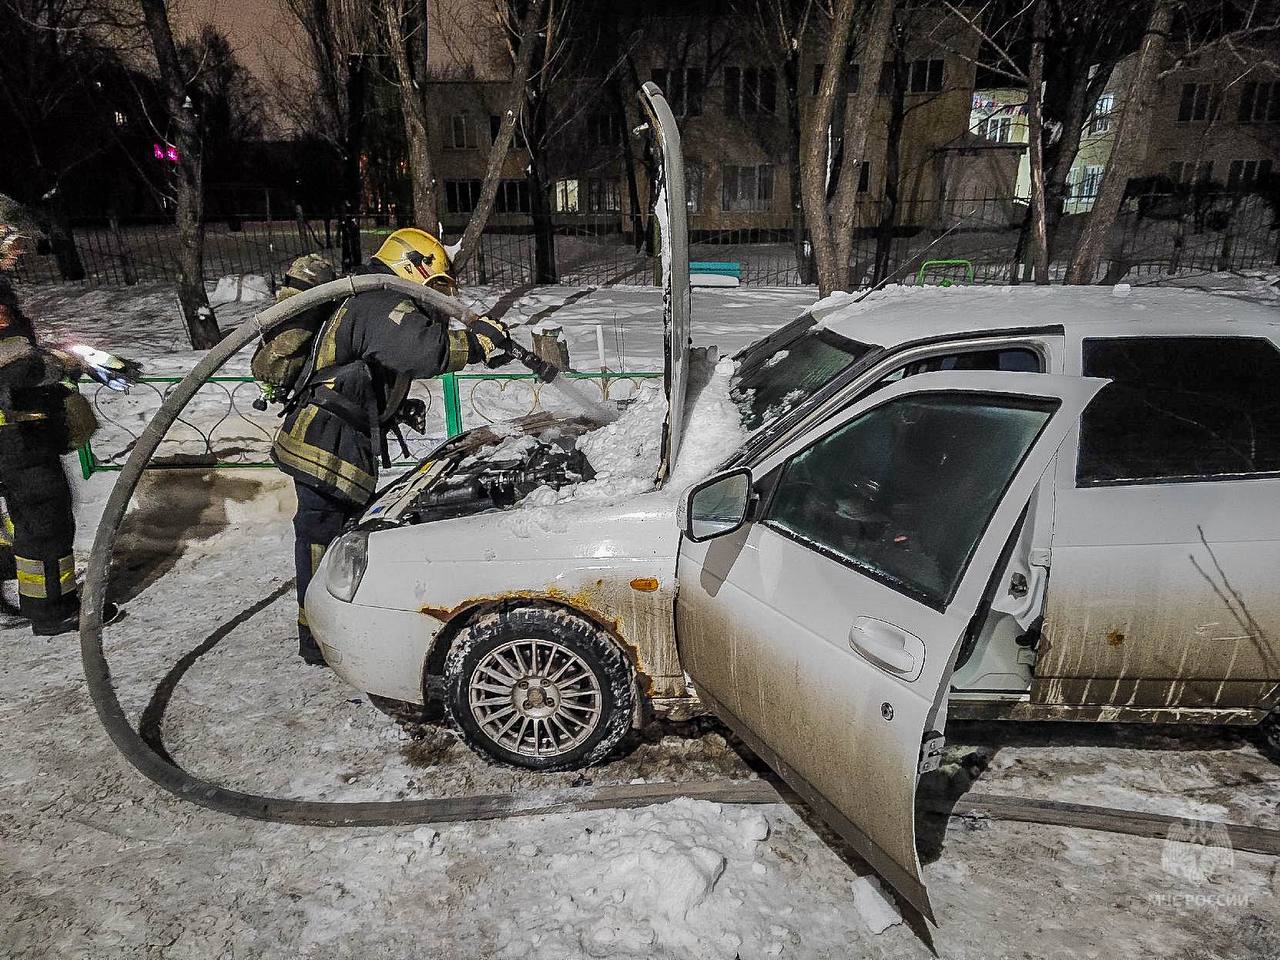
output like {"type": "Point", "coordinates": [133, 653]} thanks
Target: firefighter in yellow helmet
{"type": "Point", "coordinates": [353, 389]}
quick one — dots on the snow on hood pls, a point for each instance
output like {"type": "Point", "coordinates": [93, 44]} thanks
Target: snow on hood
{"type": "Point", "coordinates": [624, 453]}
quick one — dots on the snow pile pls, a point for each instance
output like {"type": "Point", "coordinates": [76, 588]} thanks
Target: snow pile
{"type": "Point", "coordinates": [241, 288]}
{"type": "Point", "coordinates": [654, 883]}
{"type": "Point", "coordinates": [626, 453]}
{"type": "Point", "coordinates": [874, 904]}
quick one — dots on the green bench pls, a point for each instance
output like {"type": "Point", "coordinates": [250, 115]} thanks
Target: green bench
{"type": "Point", "coordinates": [729, 269]}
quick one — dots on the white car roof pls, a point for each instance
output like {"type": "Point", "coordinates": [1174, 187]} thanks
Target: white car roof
{"type": "Point", "coordinates": [898, 314]}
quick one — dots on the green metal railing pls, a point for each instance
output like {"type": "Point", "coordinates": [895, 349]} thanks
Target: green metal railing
{"type": "Point", "coordinates": [450, 392]}
{"type": "Point", "coordinates": [946, 281]}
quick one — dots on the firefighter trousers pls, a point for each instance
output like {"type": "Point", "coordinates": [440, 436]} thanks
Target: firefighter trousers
{"type": "Point", "coordinates": [38, 500]}
{"type": "Point", "coordinates": [318, 521]}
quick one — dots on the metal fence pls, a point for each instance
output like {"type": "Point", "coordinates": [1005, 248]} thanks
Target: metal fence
{"type": "Point", "coordinates": [220, 428]}
{"type": "Point", "coordinates": [1154, 234]}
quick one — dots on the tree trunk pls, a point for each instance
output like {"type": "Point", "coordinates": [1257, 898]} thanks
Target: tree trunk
{"type": "Point", "coordinates": [1035, 137]}
{"type": "Point", "coordinates": [202, 326]}
{"type": "Point", "coordinates": [791, 81]}
{"type": "Point", "coordinates": [401, 21]}
{"type": "Point", "coordinates": [892, 162]}
{"type": "Point", "coordinates": [506, 130]}
{"type": "Point", "coordinates": [1061, 155]}
{"type": "Point", "coordinates": [544, 233]}
{"type": "Point", "coordinates": [830, 221]}
{"type": "Point", "coordinates": [352, 182]}
{"type": "Point", "coordinates": [1131, 132]}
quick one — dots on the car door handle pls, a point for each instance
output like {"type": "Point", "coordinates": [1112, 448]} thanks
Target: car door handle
{"type": "Point", "coordinates": [889, 647]}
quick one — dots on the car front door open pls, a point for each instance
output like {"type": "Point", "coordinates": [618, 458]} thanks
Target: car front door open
{"type": "Point", "coordinates": [824, 629]}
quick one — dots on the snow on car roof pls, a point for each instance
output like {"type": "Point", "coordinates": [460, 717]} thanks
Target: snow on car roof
{"type": "Point", "coordinates": [901, 314]}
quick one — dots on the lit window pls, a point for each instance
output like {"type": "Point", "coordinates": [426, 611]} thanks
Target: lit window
{"type": "Point", "coordinates": [566, 196]}
{"type": "Point", "coordinates": [746, 189]}
{"type": "Point", "coordinates": [1101, 121]}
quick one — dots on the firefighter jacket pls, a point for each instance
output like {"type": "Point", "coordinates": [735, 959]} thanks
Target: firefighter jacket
{"type": "Point", "coordinates": [364, 358]}
{"type": "Point", "coordinates": [33, 398]}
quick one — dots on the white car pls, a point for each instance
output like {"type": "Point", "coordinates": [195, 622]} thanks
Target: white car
{"type": "Point", "coordinates": [935, 508]}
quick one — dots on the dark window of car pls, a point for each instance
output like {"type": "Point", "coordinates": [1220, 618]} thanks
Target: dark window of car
{"type": "Point", "coordinates": [1016, 359]}
{"type": "Point", "coordinates": [1180, 408]}
{"type": "Point", "coordinates": [778, 373]}
{"type": "Point", "coordinates": [904, 491]}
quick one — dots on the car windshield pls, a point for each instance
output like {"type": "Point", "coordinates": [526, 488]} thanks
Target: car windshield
{"type": "Point", "coordinates": [780, 372]}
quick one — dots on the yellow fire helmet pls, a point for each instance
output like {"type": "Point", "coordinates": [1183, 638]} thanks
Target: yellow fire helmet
{"type": "Point", "coordinates": [416, 255]}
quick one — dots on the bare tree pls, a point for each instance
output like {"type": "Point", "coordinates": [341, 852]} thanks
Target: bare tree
{"type": "Point", "coordinates": [829, 172]}
{"type": "Point", "coordinates": [406, 29]}
{"type": "Point", "coordinates": [1131, 132]}
{"type": "Point", "coordinates": [525, 41]}
{"type": "Point", "coordinates": [780, 28]}
{"type": "Point", "coordinates": [339, 41]}
{"type": "Point", "coordinates": [1000, 39]}
{"type": "Point", "coordinates": [188, 178]}
{"type": "Point", "coordinates": [1035, 144]}
{"type": "Point", "coordinates": [62, 80]}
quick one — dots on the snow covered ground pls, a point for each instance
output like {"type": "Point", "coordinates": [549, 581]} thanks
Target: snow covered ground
{"type": "Point", "coordinates": [97, 863]}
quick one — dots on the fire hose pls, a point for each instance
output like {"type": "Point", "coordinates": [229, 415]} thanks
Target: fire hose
{"type": "Point", "coordinates": [162, 771]}
{"type": "Point", "coordinates": [168, 775]}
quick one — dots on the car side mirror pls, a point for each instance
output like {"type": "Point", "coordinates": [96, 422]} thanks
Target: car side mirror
{"type": "Point", "coordinates": [717, 505]}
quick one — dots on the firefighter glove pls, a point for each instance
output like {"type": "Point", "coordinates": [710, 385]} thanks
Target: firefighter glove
{"type": "Point", "coordinates": [492, 340]}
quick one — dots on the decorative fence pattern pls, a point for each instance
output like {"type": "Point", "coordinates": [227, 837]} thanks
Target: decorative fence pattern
{"type": "Point", "coordinates": [221, 429]}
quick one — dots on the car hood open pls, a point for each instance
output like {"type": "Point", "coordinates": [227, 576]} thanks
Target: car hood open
{"type": "Point", "coordinates": [671, 210]}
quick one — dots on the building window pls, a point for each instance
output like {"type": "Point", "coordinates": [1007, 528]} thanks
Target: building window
{"type": "Point", "coordinates": [603, 196]}
{"type": "Point", "coordinates": [746, 189]}
{"type": "Point", "coordinates": [694, 174]}
{"type": "Point", "coordinates": [1199, 102]}
{"type": "Point", "coordinates": [1243, 174]}
{"type": "Point", "coordinates": [1191, 171]}
{"type": "Point", "coordinates": [925, 76]}
{"type": "Point", "coordinates": [604, 130]}
{"type": "Point", "coordinates": [566, 196]}
{"type": "Point", "coordinates": [461, 196]}
{"type": "Point", "coordinates": [998, 129]}
{"type": "Point", "coordinates": [750, 91]}
{"type": "Point", "coordinates": [1090, 181]}
{"type": "Point", "coordinates": [683, 88]}
{"type": "Point", "coordinates": [513, 197]}
{"type": "Point", "coordinates": [121, 119]}
{"type": "Point", "coordinates": [462, 133]}
{"type": "Point", "coordinates": [864, 176]}
{"type": "Point", "coordinates": [1100, 122]}
{"type": "Point", "coordinates": [1260, 102]}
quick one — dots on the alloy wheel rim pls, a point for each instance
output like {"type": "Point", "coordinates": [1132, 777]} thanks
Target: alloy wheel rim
{"type": "Point", "coordinates": [535, 697]}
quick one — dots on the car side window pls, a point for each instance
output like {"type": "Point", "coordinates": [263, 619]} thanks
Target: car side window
{"type": "Point", "coordinates": [1020, 359]}
{"type": "Point", "coordinates": [904, 491]}
{"type": "Point", "coordinates": [1180, 409]}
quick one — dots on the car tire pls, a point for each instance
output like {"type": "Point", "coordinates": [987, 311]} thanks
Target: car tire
{"type": "Point", "coordinates": [539, 688]}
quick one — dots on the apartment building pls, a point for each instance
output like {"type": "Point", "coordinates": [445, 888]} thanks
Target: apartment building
{"type": "Point", "coordinates": [1217, 119]}
{"type": "Point", "coordinates": [732, 102]}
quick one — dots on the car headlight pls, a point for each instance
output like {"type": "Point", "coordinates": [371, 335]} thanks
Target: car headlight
{"type": "Point", "coordinates": [348, 557]}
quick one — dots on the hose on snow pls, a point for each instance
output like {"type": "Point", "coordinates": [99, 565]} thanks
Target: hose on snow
{"type": "Point", "coordinates": [165, 773]}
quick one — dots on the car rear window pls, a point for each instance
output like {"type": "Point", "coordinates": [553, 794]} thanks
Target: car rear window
{"type": "Point", "coordinates": [1180, 409]}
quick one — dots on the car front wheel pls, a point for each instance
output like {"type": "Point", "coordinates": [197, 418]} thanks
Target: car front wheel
{"type": "Point", "coordinates": [539, 688]}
